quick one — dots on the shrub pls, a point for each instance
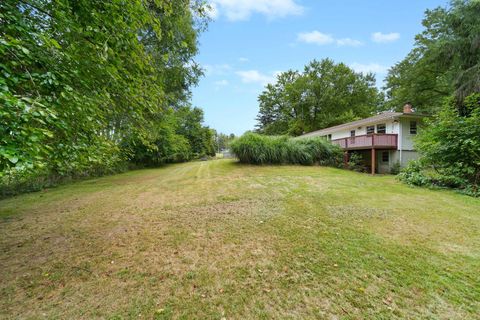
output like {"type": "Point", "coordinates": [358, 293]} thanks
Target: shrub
{"type": "Point", "coordinates": [28, 178]}
{"type": "Point", "coordinates": [258, 149]}
{"type": "Point", "coordinates": [450, 149]}
{"type": "Point", "coordinates": [396, 167]}
{"type": "Point", "coordinates": [418, 174]}
{"type": "Point", "coordinates": [356, 162]}
{"type": "Point", "coordinates": [413, 174]}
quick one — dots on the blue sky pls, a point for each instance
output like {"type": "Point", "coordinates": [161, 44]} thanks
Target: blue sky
{"type": "Point", "coordinates": [249, 41]}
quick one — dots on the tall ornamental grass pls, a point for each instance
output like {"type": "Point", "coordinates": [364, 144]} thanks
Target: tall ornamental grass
{"type": "Point", "coordinates": [259, 149]}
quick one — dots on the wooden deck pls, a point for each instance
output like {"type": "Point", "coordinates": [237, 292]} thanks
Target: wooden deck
{"type": "Point", "coordinates": [368, 141]}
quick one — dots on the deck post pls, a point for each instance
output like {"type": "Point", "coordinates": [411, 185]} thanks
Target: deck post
{"type": "Point", "coordinates": [373, 161]}
{"type": "Point", "coordinates": [345, 159]}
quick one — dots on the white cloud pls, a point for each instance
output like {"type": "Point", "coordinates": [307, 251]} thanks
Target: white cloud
{"type": "Point", "coordinates": [319, 38]}
{"type": "Point", "coordinates": [315, 37]}
{"type": "Point", "coordinates": [242, 59]}
{"type": "Point", "coordinates": [385, 37]}
{"type": "Point", "coordinates": [217, 69]}
{"type": "Point", "coordinates": [236, 10]}
{"type": "Point", "coordinates": [221, 83]}
{"type": "Point", "coordinates": [347, 42]}
{"type": "Point", "coordinates": [370, 67]}
{"type": "Point", "coordinates": [254, 76]}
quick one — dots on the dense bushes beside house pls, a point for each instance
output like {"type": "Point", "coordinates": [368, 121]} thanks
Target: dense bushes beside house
{"type": "Point", "coordinates": [259, 149]}
{"type": "Point", "coordinates": [450, 149]}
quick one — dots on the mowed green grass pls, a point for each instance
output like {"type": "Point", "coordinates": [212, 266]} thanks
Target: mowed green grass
{"type": "Point", "coordinates": [220, 240]}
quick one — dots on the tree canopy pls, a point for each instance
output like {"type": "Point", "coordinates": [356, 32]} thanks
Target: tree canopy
{"type": "Point", "coordinates": [444, 61]}
{"type": "Point", "coordinates": [324, 94]}
{"type": "Point", "coordinates": [441, 76]}
{"type": "Point", "coordinates": [87, 85]}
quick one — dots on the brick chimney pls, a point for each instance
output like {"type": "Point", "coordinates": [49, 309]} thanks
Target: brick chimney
{"type": "Point", "coordinates": [407, 108]}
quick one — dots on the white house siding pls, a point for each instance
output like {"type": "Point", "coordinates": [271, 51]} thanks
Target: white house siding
{"type": "Point", "coordinates": [407, 156]}
{"type": "Point", "coordinates": [406, 142]}
{"type": "Point", "coordinates": [341, 134]}
{"type": "Point", "coordinates": [396, 124]}
{"type": "Point", "coordinates": [391, 127]}
{"type": "Point", "coordinates": [400, 127]}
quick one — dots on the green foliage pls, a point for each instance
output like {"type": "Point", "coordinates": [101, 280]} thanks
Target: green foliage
{"type": "Point", "coordinates": [417, 174]}
{"type": "Point", "coordinates": [444, 61]}
{"type": "Point", "coordinates": [87, 86]}
{"type": "Point", "coordinates": [356, 162]}
{"type": "Point", "coordinates": [444, 65]}
{"type": "Point", "coordinates": [325, 94]}
{"type": "Point", "coordinates": [259, 149]}
{"type": "Point", "coordinates": [179, 136]}
{"type": "Point", "coordinates": [223, 140]}
{"type": "Point", "coordinates": [450, 149]}
{"type": "Point", "coordinates": [414, 174]}
{"type": "Point", "coordinates": [396, 168]}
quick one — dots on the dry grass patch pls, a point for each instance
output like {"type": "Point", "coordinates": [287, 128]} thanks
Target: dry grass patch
{"type": "Point", "coordinates": [212, 240]}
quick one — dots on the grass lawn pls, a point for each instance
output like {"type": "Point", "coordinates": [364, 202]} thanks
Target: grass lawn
{"type": "Point", "coordinates": [216, 239]}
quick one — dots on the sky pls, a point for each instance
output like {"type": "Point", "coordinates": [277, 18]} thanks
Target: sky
{"type": "Point", "coordinates": [248, 42]}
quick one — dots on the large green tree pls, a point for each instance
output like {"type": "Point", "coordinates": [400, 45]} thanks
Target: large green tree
{"type": "Point", "coordinates": [444, 61]}
{"type": "Point", "coordinates": [83, 83]}
{"type": "Point", "coordinates": [324, 94]}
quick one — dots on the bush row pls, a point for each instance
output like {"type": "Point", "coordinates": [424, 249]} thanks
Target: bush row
{"type": "Point", "coordinates": [421, 175]}
{"type": "Point", "coordinates": [259, 149]}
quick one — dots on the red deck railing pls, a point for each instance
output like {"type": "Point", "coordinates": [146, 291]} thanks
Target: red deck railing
{"type": "Point", "coordinates": [369, 141]}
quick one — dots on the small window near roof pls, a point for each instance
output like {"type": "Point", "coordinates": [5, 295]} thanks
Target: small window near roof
{"type": "Point", "coordinates": [413, 127]}
{"type": "Point", "coordinates": [370, 129]}
{"type": "Point", "coordinates": [381, 128]}
{"type": "Point", "coordinates": [329, 137]}
{"type": "Point", "coordinates": [385, 156]}
{"type": "Point", "coordinates": [352, 133]}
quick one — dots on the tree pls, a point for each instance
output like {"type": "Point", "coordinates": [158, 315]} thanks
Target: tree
{"type": "Point", "coordinates": [86, 84]}
{"type": "Point", "coordinates": [444, 61]}
{"type": "Point", "coordinates": [201, 139]}
{"type": "Point", "coordinates": [223, 140]}
{"type": "Point", "coordinates": [325, 94]}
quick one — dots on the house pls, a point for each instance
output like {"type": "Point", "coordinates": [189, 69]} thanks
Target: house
{"type": "Point", "coordinates": [383, 140]}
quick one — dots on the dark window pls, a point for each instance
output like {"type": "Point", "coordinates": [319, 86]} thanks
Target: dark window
{"type": "Point", "coordinates": [370, 129]}
{"type": "Point", "coordinates": [352, 133]}
{"type": "Point", "coordinates": [385, 156]}
{"type": "Point", "coordinates": [413, 127]}
{"type": "Point", "coordinates": [381, 128]}
{"type": "Point", "coordinates": [329, 137]}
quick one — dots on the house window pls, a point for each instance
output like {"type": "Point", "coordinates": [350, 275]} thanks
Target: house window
{"type": "Point", "coordinates": [352, 133]}
{"type": "Point", "coordinates": [385, 156]}
{"type": "Point", "coordinates": [370, 129]}
{"type": "Point", "coordinates": [329, 137]}
{"type": "Point", "coordinates": [381, 128]}
{"type": "Point", "coordinates": [413, 127]}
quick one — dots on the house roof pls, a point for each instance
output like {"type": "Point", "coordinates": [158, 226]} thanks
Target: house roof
{"type": "Point", "coordinates": [387, 115]}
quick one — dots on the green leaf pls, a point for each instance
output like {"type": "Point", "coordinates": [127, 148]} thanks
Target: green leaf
{"type": "Point", "coordinates": [25, 50]}
{"type": "Point", "coordinates": [12, 159]}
